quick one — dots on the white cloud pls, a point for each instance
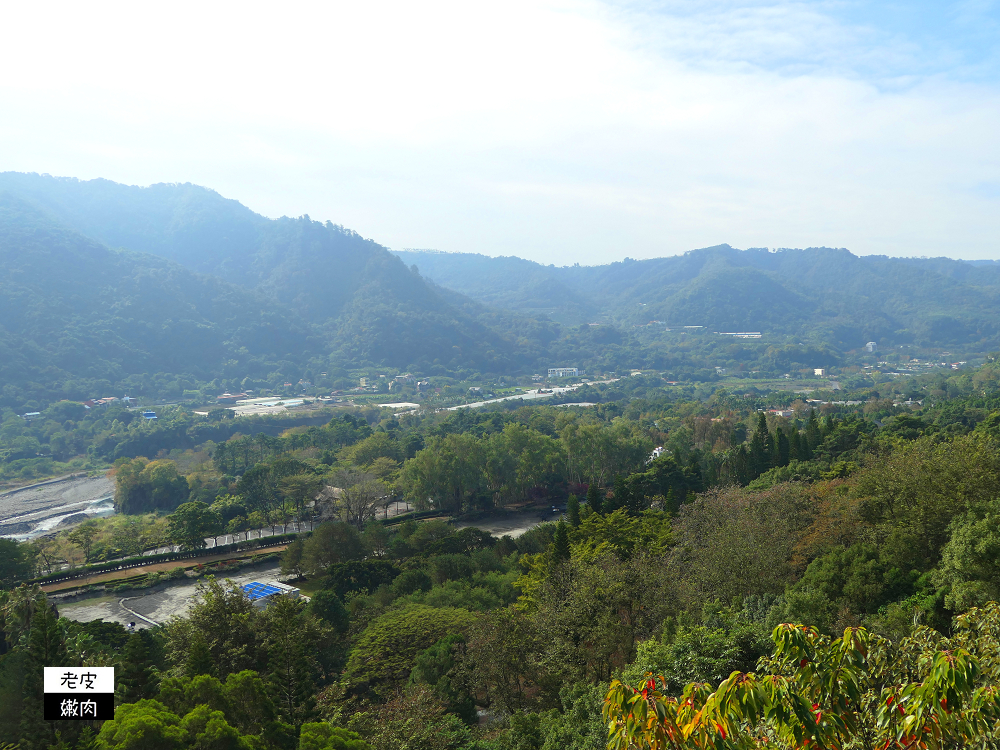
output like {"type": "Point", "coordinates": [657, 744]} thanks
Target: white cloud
{"type": "Point", "coordinates": [564, 131]}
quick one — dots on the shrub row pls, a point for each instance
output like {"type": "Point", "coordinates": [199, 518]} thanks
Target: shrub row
{"type": "Point", "coordinates": [138, 562]}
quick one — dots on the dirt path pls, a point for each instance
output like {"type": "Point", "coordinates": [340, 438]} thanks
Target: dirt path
{"type": "Point", "coordinates": [513, 524]}
{"type": "Point", "coordinates": [154, 568]}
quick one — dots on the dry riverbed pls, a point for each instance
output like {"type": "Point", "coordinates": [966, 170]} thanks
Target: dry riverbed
{"type": "Point", "coordinates": [29, 512]}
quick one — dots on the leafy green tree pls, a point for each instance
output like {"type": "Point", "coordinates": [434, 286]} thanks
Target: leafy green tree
{"type": "Point", "coordinates": [199, 658]}
{"type": "Point", "coordinates": [323, 736]}
{"type": "Point", "coordinates": [83, 537]}
{"type": "Point", "coordinates": [500, 667]}
{"type": "Point", "coordinates": [435, 667]}
{"type": "Point", "coordinates": [243, 699]}
{"type": "Point", "coordinates": [205, 728]}
{"type": "Point", "coordinates": [733, 543]}
{"type": "Point", "coordinates": [327, 607]}
{"type": "Point", "coordinates": [360, 575]}
{"type": "Point", "coordinates": [385, 651]}
{"type": "Point", "coordinates": [516, 459]}
{"type": "Point", "coordinates": [331, 543]}
{"type": "Point", "coordinates": [595, 452]}
{"type": "Point", "coordinates": [447, 474]}
{"type": "Point", "coordinates": [918, 490]}
{"type": "Point", "coordinates": [813, 436]}
{"type": "Point", "coordinates": [415, 719]}
{"type": "Point", "coordinates": [760, 452]}
{"type": "Point", "coordinates": [410, 581]}
{"type": "Point", "coordinates": [377, 445]}
{"type": "Point", "coordinates": [970, 562]}
{"type": "Point", "coordinates": [228, 624]}
{"type": "Point", "coordinates": [143, 486]}
{"type": "Point", "coordinates": [361, 494]}
{"type": "Point", "coordinates": [146, 725]}
{"type": "Point", "coordinates": [299, 489]}
{"type": "Point", "coordinates": [191, 524]}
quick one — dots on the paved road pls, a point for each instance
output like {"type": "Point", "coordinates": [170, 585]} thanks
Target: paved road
{"type": "Point", "coordinates": [528, 395]}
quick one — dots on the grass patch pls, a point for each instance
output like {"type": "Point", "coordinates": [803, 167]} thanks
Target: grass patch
{"type": "Point", "coordinates": [309, 587]}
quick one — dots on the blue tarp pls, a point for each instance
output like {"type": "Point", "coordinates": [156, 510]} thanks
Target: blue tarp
{"type": "Point", "coordinates": [256, 590]}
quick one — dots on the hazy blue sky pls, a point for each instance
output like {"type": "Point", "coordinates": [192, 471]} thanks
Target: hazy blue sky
{"type": "Point", "coordinates": [559, 131]}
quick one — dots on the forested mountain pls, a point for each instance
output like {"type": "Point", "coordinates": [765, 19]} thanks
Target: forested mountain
{"type": "Point", "coordinates": [330, 296]}
{"type": "Point", "coordinates": [827, 295]}
{"type": "Point", "coordinates": [77, 318]}
{"type": "Point", "coordinates": [201, 292]}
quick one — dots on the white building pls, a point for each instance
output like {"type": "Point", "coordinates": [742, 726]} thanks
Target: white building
{"type": "Point", "coordinates": [871, 347]}
{"type": "Point", "coordinates": [563, 372]}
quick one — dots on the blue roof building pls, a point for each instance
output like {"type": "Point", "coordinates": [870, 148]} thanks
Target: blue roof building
{"type": "Point", "coordinates": [261, 594]}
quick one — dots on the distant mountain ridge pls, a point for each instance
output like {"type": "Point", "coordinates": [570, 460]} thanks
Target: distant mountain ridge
{"type": "Point", "coordinates": [78, 318]}
{"type": "Point", "coordinates": [827, 295]}
{"type": "Point", "coordinates": [168, 288]}
{"type": "Point", "coordinates": [360, 300]}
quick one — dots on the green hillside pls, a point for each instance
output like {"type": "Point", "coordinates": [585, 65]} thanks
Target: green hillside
{"type": "Point", "coordinates": [826, 295]}
{"type": "Point", "coordinates": [78, 319]}
{"type": "Point", "coordinates": [342, 300]}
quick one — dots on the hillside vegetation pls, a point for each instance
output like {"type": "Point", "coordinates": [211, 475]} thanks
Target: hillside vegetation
{"type": "Point", "coordinates": [827, 296]}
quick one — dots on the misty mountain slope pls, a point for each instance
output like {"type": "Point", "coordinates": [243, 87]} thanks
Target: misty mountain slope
{"type": "Point", "coordinates": [78, 317]}
{"type": "Point", "coordinates": [825, 294]}
{"type": "Point", "coordinates": [507, 282]}
{"type": "Point", "coordinates": [370, 305]}
{"type": "Point", "coordinates": [188, 224]}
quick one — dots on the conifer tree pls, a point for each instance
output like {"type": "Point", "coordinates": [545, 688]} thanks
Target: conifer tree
{"type": "Point", "coordinates": [594, 499]}
{"type": "Point", "coordinates": [813, 434]}
{"type": "Point", "coordinates": [782, 449]}
{"type": "Point", "coordinates": [138, 677]}
{"type": "Point", "coordinates": [46, 648]}
{"type": "Point", "coordinates": [560, 543]}
{"type": "Point", "coordinates": [199, 660]}
{"type": "Point", "coordinates": [760, 454]}
{"type": "Point", "coordinates": [573, 511]}
{"type": "Point", "coordinates": [794, 450]}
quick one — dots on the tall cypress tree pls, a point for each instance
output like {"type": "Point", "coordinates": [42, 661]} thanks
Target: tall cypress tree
{"type": "Point", "coordinates": [781, 448]}
{"type": "Point", "coordinates": [793, 445]}
{"type": "Point", "coordinates": [139, 678]}
{"type": "Point", "coordinates": [760, 454]}
{"type": "Point", "coordinates": [560, 543]}
{"type": "Point", "coordinates": [594, 499]}
{"type": "Point", "coordinates": [573, 511]}
{"type": "Point", "coordinates": [813, 434]}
